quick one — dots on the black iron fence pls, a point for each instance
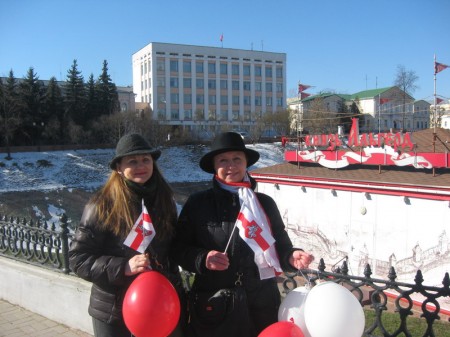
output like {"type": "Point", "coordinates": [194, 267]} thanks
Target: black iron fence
{"type": "Point", "coordinates": [47, 245]}
{"type": "Point", "coordinates": [37, 242]}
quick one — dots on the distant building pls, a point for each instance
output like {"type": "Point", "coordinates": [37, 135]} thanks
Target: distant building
{"type": "Point", "coordinates": [442, 114]}
{"type": "Point", "coordinates": [208, 88]}
{"type": "Point", "coordinates": [382, 109]}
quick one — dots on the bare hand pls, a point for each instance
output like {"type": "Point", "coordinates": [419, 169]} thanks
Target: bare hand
{"type": "Point", "coordinates": [217, 261]}
{"type": "Point", "coordinates": [300, 259]}
{"type": "Point", "coordinates": [137, 264]}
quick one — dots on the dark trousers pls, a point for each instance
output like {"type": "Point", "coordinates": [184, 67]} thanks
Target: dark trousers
{"type": "Point", "coordinates": [102, 329]}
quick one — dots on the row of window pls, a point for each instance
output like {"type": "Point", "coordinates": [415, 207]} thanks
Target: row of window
{"type": "Point", "coordinates": [212, 68]}
{"type": "Point", "coordinates": [200, 115]}
{"type": "Point", "coordinates": [212, 84]}
{"type": "Point", "coordinates": [212, 100]}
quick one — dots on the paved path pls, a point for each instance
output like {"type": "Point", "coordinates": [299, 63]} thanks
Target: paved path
{"type": "Point", "coordinates": [15, 321]}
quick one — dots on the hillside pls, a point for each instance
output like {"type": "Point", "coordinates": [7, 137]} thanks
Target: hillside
{"type": "Point", "coordinates": [43, 185]}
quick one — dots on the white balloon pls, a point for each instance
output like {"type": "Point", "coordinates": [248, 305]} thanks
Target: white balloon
{"type": "Point", "coordinates": [331, 310]}
{"type": "Point", "coordinates": [292, 308]}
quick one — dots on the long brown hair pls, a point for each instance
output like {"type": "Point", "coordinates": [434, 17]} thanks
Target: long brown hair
{"type": "Point", "coordinates": [115, 205]}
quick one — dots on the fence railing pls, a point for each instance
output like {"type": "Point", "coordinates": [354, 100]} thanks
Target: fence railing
{"type": "Point", "coordinates": [41, 244]}
{"type": "Point", "coordinates": [36, 243]}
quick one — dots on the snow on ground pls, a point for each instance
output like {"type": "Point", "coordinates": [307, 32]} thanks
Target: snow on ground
{"type": "Point", "coordinates": [89, 169]}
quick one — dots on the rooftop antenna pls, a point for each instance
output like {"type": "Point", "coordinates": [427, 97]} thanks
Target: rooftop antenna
{"type": "Point", "coordinates": [251, 46]}
{"type": "Point", "coordinates": [262, 45]}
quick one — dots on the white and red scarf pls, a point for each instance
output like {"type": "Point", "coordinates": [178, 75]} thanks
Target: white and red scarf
{"type": "Point", "coordinates": [254, 228]}
{"type": "Point", "coordinates": [142, 232]}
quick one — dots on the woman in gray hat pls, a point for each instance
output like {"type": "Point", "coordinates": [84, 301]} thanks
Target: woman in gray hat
{"type": "Point", "coordinates": [234, 240]}
{"type": "Point", "coordinates": [98, 253]}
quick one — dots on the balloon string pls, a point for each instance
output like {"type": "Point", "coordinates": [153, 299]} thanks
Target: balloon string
{"type": "Point", "coordinates": [306, 277]}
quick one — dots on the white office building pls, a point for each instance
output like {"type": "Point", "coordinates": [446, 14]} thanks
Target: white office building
{"type": "Point", "coordinates": [209, 88]}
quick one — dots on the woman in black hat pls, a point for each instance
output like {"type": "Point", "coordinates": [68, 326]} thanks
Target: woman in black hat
{"type": "Point", "coordinates": [98, 253]}
{"type": "Point", "coordinates": [234, 240]}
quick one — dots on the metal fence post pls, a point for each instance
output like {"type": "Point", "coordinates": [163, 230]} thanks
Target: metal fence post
{"type": "Point", "coordinates": [65, 243]}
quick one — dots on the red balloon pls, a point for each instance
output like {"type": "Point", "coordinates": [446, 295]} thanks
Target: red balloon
{"type": "Point", "coordinates": [282, 329]}
{"type": "Point", "coordinates": [151, 307]}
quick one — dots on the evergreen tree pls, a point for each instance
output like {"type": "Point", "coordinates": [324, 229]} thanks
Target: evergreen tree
{"type": "Point", "coordinates": [9, 111]}
{"type": "Point", "coordinates": [108, 97]}
{"type": "Point", "coordinates": [31, 95]}
{"type": "Point", "coordinates": [75, 95]}
{"type": "Point", "coordinates": [54, 112]}
{"type": "Point", "coordinates": [92, 109]}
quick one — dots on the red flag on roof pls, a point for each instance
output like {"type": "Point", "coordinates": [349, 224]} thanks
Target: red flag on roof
{"type": "Point", "coordinates": [304, 95]}
{"type": "Point", "coordinates": [438, 67]}
{"type": "Point", "coordinates": [439, 100]}
{"type": "Point", "coordinates": [302, 87]}
{"type": "Point", "coordinates": [221, 37]}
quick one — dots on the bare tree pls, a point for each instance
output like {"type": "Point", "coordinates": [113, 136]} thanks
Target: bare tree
{"type": "Point", "coordinates": [405, 80]}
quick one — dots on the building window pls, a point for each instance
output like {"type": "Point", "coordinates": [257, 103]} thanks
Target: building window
{"type": "Point", "coordinates": [258, 71]}
{"type": "Point", "coordinates": [246, 70]}
{"type": "Point", "coordinates": [174, 82]}
{"type": "Point", "coordinates": [235, 115]}
{"type": "Point", "coordinates": [212, 99]}
{"type": "Point", "coordinates": [246, 85]}
{"type": "Point", "coordinates": [235, 85]}
{"type": "Point", "coordinates": [161, 83]}
{"type": "Point", "coordinates": [258, 86]}
{"type": "Point", "coordinates": [200, 83]}
{"type": "Point", "coordinates": [268, 101]}
{"type": "Point", "coordinates": [174, 114]}
{"type": "Point", "coordinates": [223, 69]}
{"type": "Point", "coordinates": [279, 101]}
{"type": "Point", "coordinates": [188, 114]}
{"type": "Point", "coordinates": [174, 98]}
{"type": "Point", "coordinates": [279, 87]}
{"type": "Point", "coordinates": [223, 84]}
{"type": "Point", "coordinates": [223, 115]}
{"type": "Point", "coordinates": [186, 66]}
{"type": "Point", "coordinates": [187, 99]}
{"type": "Point", "coordinates": [235, 69]}
{"type": "Point", "coordinates": [199, 67]}
{"type": "Point", "coordinates": [187, 83]}
{"type": "Point", "coordinates": [235, 99]}
{"type": "Point", "coordinates": [258, 100]}
{"type": "Point", "coordinates": [211, 68]}
{"type": "Point", "coordinates": [247, 100]}
{"type": "Point", "coordinates": [269, 71]}
{"type": "Point", "coordinates": [160, 65]}
{"type": "Point", "coordinates": [223, 99]}
{"type": "Point", "coordinates": [279, 72]}
{"type": "Point", "coordinates": [211, 84]}
{"type": "Point", "coordinates": [200, 99]}
{"type": "Point", "coordinates": [124, 107]}
{"type": "Point", "coordinates": [174, 66]}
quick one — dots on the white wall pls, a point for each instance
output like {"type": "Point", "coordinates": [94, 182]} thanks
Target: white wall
{"type": "Point", "coordinates": [374, 231]}
{"type": "Point", "coordinates": [59, 297]}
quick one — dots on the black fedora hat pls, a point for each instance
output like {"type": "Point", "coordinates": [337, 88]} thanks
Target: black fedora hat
{"type": "Point", "coordinates": [132, 144]}
{"type": "Point", "coordinates": [225, 142]}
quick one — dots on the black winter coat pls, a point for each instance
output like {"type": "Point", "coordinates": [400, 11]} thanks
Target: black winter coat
{"type": "Point", "coordinates": [205, 223]}
{"type": "Point", "coordinates": [100, 257]}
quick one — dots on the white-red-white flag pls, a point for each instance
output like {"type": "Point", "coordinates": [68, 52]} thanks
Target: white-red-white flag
{"type": "Point", "coordinates": [142, 232]}
{"type": "Point", "coordinates": [438, 67]}
{"type": "Point", "coordinates": [254, 229]}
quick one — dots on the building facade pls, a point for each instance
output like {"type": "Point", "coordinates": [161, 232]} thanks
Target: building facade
{"type": "Point", "coordinates": [382, 109]}
{"type": "Point", "coordinates": [208, 88]}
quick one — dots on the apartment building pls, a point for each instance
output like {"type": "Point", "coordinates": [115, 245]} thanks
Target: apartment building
{"type": "Point", "coordinates": [209, 88]}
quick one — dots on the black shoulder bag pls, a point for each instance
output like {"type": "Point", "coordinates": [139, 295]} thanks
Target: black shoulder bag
{"type": "Point", "coordinates": [222, 313]}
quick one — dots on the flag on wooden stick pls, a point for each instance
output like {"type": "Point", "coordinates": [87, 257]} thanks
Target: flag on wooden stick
{"type": "Point", "coordinates": [142, 232]}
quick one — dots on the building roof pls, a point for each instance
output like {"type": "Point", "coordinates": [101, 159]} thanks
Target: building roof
{"type": "Point", "coordinates": [369, 93]}
{"type": "Point", "coordinates": [405, 175]}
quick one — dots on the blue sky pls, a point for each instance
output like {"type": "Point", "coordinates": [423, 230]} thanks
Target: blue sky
{"type": "Point", "coordinates": [345, 46]}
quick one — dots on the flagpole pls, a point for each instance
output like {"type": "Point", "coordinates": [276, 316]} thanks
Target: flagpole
{"type": "Point", "coordinates": [435, 107]}
{"type": "Point", "coordinates": [379, 111]}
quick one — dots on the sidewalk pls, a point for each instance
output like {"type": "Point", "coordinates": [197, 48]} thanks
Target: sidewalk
{"type": "Point", "coordinates": [15, 321]}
